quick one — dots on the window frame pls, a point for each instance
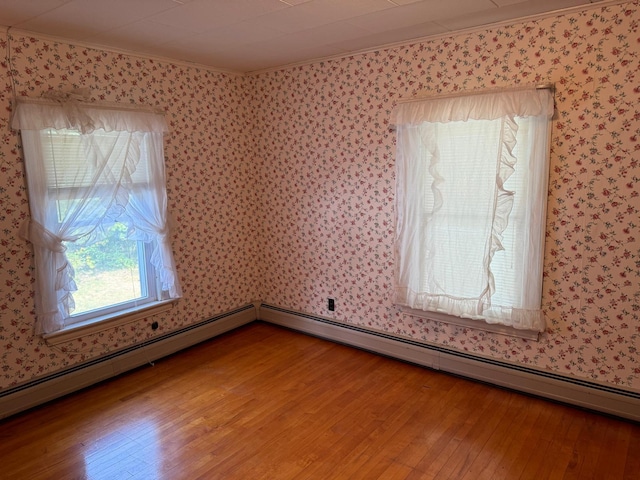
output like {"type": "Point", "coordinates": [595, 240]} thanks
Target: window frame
{"type": "Point", "coordinates": [149, 288]}
{"type": "Point", "coordinates": [144, 209]}
{"type": "Point", "coordinates": [148, 280]}
{"type": "Point", "coordinates": [150, 284]}
{"type": "Point", "coordinates": [416, 291]}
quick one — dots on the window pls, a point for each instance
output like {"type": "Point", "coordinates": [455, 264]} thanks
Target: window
{"type": "Point", "coordinates": [471, 193]}
{"type": "Point", "coordinates": [98, 211]}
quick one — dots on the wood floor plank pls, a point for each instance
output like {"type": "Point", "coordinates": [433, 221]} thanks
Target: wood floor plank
{"type": "Point", "coordinates": [632, 460]}
{"type": "Point", "coordinates": [540, 446]}
{"type": "Point", "coordinates": [485, 464]}
{"type": "Point", "coordinates": [263, 402]}
{"type": "Point", "coordinates": [510, 465]}
{"type": "Point", "coordinates": [612, 458]}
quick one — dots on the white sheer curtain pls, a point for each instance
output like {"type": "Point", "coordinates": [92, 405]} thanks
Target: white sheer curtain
{"type": "Point", "coordinates": [108, 166]}
{"type": "Point", "coordinates": [471, 178]}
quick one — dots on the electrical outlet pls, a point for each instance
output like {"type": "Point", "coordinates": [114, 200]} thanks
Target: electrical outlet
{"type": "Point", "coordinates": [331, 304]}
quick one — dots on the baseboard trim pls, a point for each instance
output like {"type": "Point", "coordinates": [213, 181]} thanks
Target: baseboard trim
{"type": "Point", "coordinates": [569, 390]}
{"type": "Point", "coordinates": [50, 387]}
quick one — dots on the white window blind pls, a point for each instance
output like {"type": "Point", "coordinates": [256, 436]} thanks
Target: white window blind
{"type": "Point", "coordinates": [66, 156]}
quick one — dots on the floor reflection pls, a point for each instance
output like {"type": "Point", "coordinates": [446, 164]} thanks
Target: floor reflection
{"type": "Point", "coordinates": [125, 452]}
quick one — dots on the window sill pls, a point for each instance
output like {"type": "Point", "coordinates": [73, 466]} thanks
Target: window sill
{"type": "Point", "coordinates": [474, 324]}
{"type": "Point", "coordinates": [99, 324]}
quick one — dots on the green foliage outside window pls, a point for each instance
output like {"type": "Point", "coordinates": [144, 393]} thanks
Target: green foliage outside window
{"type": "Point", "coordinates": [113, 252]}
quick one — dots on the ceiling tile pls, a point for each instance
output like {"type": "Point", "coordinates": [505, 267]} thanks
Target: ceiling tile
{"type": "Point", "coordinates": [14, 12]}
{"type": "Point", "coordinates": [405, 2]}
{"type": "Point", "coordinates": [504, 3]}
{"type": "Point", "coordinates": [417, 14]}
{"type": "Point", "coordinates": [81, 19]}
{"type": "Point", "coordinates": [494, 15]}
{"type": "Point", "coordinates": [321, 12]}
{"type": "Point", "coordinates": [392, 36]}
{"type": "Point", "coordinates": [342, 10]}
{"type": "Point", "coordinates": [249, 31]}
{"type": "Point", "coordinates": [204, 15]}
{"type": "Point", "coordinates": [139, 36]}
{"type": "Point", "coordinates": [339, 31]}
{"type": "Point", "coordinates": [295, 2]}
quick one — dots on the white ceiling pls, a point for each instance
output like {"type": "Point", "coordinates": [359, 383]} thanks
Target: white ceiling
{"type": "Point", "coordinates": [251, 35]}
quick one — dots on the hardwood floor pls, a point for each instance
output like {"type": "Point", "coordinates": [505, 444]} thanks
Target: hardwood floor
{"type": "Point", "coordinates": [265, 402]}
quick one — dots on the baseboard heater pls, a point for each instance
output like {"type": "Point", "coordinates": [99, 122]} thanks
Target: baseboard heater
{"type": "Point", "coordinates": [591, 395]}
{"type": "Point", "coordinates": [569, 390]}
{"type": "Point", "coordinates": [49, 387]}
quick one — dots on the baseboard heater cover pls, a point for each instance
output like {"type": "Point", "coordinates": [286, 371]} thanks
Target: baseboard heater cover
{"type": "Point", "coordinates": [50, 387]}
{"type": "Point", "coordinates": [569, 390]}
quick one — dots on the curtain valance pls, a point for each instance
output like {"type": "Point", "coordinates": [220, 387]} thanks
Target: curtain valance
{"type": "Point", "coordinates": [40, 115]}
{"type": "Point", "coordinates": [480, 106]}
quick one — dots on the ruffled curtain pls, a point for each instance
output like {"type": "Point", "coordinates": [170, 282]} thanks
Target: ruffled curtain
{"type": "Point", "coordinates": [471, 196]}
{"type": "Point", "coordinates": [75, 201]}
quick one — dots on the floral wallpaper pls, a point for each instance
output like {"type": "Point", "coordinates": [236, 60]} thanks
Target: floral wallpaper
{"type": "Point", "coordinates": [281, 186]}
{"type": "Point", "coordinates": [328, 153]}
{"type": "Point", "coordinates": [210, 183]}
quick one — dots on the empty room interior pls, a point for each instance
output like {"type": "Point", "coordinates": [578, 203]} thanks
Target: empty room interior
{"type": "Point", "coordinates": [281, 335]}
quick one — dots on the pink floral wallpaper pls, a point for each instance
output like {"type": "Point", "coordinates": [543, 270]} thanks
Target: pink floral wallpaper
{"type": "Point", "coordinates": [281, 185]}
{"type": "Point", "coordinates": [328, 155]}
{"type": "Point", "coordinates": [211, 183]}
